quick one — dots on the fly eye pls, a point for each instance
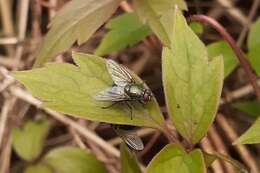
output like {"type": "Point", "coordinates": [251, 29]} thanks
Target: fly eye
{"type": "Point", "coordinates": [147, 96]}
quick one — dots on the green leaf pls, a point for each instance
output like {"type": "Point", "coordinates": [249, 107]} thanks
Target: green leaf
{"type": "Point", "coordinates": [154, 13]}
{"type": "Point", "coordinates": [209, 159]}
{"type": "Point", "coordinates": [39, 168]}
{"type": "Point", "coordinates": [173, 159]}
{"type": "Point", "coordinates": [125, 30]}
{"type": "Point", "coordinates": [251, 136]}
{"type": "Point", "coordinates": [28, 141]}
{"type": "Point", "coordinates": [250, 107]}
{"type": "Point", "coordinates": [78, 20]}
{"type": "Point", "coordinates": [129, 163]}
{"type": "Point", "coordinates": [253, 43]}
{"type": "Point", "coordinates": [192, 83]}
{"type": "Point", "coordinates": [253, 40]}
{"type": "Point", "coordinates": [197, 27]}
{"type": "Point", "coordinates": [72, 89]}
{"type": "Point", "coordinates": [254, 59]}
{"type": "Point", "coordinates": [69, 159]}
{"type": "Point", "coordinates": [223, 48]}
{"type": "Point", "coordinates": [229, 57]}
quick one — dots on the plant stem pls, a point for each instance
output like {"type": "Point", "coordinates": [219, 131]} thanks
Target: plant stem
{"type": "Point", "coordinates": [244, 63]}
{"type": "Point", "coordinates": [169, 134]}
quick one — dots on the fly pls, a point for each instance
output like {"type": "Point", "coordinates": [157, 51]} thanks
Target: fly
{"type": "Point", "coordinates": [130, 138]}
{"type": "Point", "coordinates": [125, 88]}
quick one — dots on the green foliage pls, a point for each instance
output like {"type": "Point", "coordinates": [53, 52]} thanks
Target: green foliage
{"type": "Point", "coordinates": [129, 163]}
{"type": "Point", "coordinates": [125, 30]}
{"type": "Point", "coordinates": [28, 141]}
{"type": "Point", "coordinates": [254, 59]}
{"type": "Point", "coordinates": [253, 43]}
{"type": "Point", "coordinates": [78, 20]}
{"type": "Point", "coordinates": [39, 168]}
{"type": "Point", "coordinates": [197, 27]}
{"type": "Point", "coordinates": [71, 89]}
{"type": "Point", "coordinates": [250, 107]}
{"type": "Point", "coordinates": [229, 57]}
{"type": "Point", "coordinates": [173, 159]}
{"type": "Point", "coordinates": [156, 14]}
{"type": "Point", "coordinates": [251, 136]}
{"type": "Point", "coordinates": [69, 159]}
{"type": "Point", "coordinates": [253, 40]}
{"type": "Point", "coordinates": [192, 83]}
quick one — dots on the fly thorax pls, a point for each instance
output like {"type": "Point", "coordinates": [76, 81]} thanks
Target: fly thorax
{"type": "Point", "coordinates": [134, 91]}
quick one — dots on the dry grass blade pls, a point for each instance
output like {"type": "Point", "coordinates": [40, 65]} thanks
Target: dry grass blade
{"type": "Point", "coordinates": [5, 156]}
{"type": "Point", "coordinates": [241, 149]}
{"type": "Point", "coordinates": [8, 104]}
{"type": "Point", "coordinates": [219, 145]}
{"type": "Point", "coordinates": [22, 26]}
{"type": "Point", "coordinates": [207, 146]}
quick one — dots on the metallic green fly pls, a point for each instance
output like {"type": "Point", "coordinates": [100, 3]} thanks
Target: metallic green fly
{"type": "Point", "coordinates": [125, 88]}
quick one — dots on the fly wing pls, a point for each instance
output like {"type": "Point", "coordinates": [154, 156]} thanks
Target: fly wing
{"type": "Point", "coordinates": [130, 138]}
{"type": "Point", "coordinates": [133, 141]}
{"type": "Point", "coordinates": [114, 93]}
{"type": "Point", "coordinates": [119, 74]}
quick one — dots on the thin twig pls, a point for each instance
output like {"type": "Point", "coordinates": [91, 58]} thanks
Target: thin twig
{"type": "Point", "coordinates": [170, 135]}
{"type": "Point", "coordinates": [207, 146]}
{"type": "Point", "coordinates": [22, 25]}
{"type": "Point", "coordinates": [8, 80]}
{"type": "Point", "coordinates": [52, 11]}
{"type": "Point", "coordinates": [219, 146]}
{"type": "Point", "coordinates": [5, 156]}
{"type": "Point", "coordinates": [126, 7]}
{"type": "Point", "coordinates": [9, 40]}
{"type": "Point", "coordinates": [240, 92]}
{"type": "Point", "coordinates": [150, 143]}
{"type": "Point", "coordinates": [46, 4]}
{"type": "Point", "coordinates": [101, 155]}
{"type": "Point", "coordinates": [234, 12]}
{"type": "Point", "coordinates": [244, 63]}
{"type": "Point", "coordinates": [251, 15]}
{"type": "Point", "coordinates": [57, 140]}
{"type": "Point", "coordinates": [7, 24]}
{"type": "Point", "coordinates": [77, 138]}
{"type": "Point", "coordinates": [3, 119]}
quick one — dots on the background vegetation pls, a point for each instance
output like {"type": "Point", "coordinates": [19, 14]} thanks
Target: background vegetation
{"type": "Point", "coordinates": [158, 44]}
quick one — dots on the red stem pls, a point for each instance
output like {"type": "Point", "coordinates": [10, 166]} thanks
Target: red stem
{"type": "Point", "coordinates": [244, 63]}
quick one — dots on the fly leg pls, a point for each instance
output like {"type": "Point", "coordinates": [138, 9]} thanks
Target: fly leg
{"type": "Point", "coordinates": [142, 103]}
{"type": "Point", "coordinates": [109, 106]}
{"type": "Point", "coordinates": [130, 108]}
